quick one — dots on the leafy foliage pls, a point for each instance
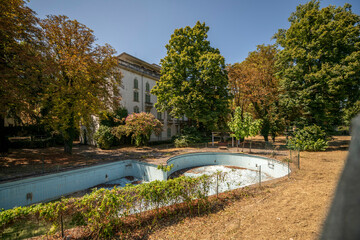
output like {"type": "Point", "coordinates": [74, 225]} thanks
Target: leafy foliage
{"type": "Point", "coordinates": [243, 125]}
{"type": "Point", "coordinates": [21, 62]}
{"type": "Point", "coordinates": [350, 113]}
{"type": "Point", "coordinates": [140, 126]}
{"type": "Point", "coordinates": [104, 210]}
{"type": "Point", "coordinates": [113, 118]}
{"type": "Point", "coordinates": [193, 78]}
{"type": "Point", "coordinates": [83, 78]}
{"type": "Point", "coordinates": [104, 137]}
{"type": "Point", "coordinates": [255, 88]}
{"type": "Point", "coordinates": [319, 65]}
{"type": "Point", "coordinates": [311, 138]}
{"type": "Point", "coordinates": [188, 136]}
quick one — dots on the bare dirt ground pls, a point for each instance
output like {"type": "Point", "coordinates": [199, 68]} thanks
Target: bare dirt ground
{"type": "Point", "coordinates": [292, 208]}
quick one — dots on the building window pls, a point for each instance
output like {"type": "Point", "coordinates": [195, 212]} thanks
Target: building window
{"type": "Point", "coordinates": [136, 109]}
{"type": "Point", "coordinates": [136, 84]}
{"type": "Point", "coordinates": [136, 96]}
{"type": "Point", "coordinates": [147, 98]}
{"type": "Point", "coordinates": [159, 115]}
{"type": "Point", "coordinates": [147, 87]}
{"type": "Point", "coordinates": [169, 132]}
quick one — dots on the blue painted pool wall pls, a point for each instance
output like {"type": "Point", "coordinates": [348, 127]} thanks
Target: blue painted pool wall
{"type": "Point", "coordinates": [53, 186]}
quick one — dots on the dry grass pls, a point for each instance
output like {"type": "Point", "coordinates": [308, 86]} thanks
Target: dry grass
{"type": "Point", "coordinates": [292, 208]}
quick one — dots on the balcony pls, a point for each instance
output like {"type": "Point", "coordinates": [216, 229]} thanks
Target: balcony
{"type": "Point", "coordinates": [148, 104]}
{"type": "Point", "coordinates": [139, 69]}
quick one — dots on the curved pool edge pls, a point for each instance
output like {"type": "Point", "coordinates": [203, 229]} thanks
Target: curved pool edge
{"type": "Point", "coordinates": [52, 186]}
{"type": "Point", "coordinates": [273, 167]}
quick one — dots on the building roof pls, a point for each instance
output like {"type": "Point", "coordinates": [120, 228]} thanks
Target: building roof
{"type": "Point", "coordinates": [134, 63]}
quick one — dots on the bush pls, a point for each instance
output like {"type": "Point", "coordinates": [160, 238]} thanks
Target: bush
{"type": "Point", "coordinates": [188, 136]}
{"type": "Point", "coordinates": [113, 119]}
{"type": "Point", "coordinates": [104, 138]}
{"type": "Point", "coordinates": [311, 138]}
{"type": "Point", "coordinates": [139, 126]}
{"type": "Point", "coordinates": [182, 141]}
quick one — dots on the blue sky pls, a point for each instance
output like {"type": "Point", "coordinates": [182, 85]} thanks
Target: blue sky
{"type": "Point", "coordinates": [142, 28]}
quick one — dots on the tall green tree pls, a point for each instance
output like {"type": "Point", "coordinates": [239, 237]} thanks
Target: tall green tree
{"type": "Point", "coordinates": [255, 88]}
{"type": "Point", "coordinates": [20, 63]}
{"type": "Point", "coordinates": [319, 65]}
{"type": "Point", "coordinates": [83, 78]}
{"type": "Point", "coordinates": [193, 78]}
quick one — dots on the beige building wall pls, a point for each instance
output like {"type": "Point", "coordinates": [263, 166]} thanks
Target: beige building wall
{"type": "Point", "coordinates": [144, 73]}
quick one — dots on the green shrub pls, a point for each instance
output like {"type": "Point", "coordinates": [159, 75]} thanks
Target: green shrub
{"type": "Point", "coordinates": [103, 210]}
{"type": "Point", "coordinates": [311, 138]}
{"type": "Point", "coordinates": [104, 138]}
{"type": "Point", "coordinates": [181, 141]}
{"type": "Point", "coordinates": [113, 118]}
{"type": "Point", "coordinates": [188, 136]}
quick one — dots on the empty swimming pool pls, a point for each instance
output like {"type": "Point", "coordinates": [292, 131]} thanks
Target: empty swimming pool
{"type": "Point", "coordinates": [52, 186]}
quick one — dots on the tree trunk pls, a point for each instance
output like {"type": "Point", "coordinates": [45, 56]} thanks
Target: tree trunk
{"type": "Point", "coordinates": [4, 142]}
{"type": "Point", "coordinates": [69, 136]}
{"type": "Point", "coordinates": [250, 144]}
{"type": "Point", "coordinates": [265, 130]}
{"type": "Point", "coordinates": [68, 144]}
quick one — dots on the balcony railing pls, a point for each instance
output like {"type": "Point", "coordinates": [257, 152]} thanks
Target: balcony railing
{"type": "Point", "coordinates": [139, 69]}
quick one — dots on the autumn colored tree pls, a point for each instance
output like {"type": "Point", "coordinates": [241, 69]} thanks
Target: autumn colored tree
{"type": "Point", "coordinates": [82, 78]}
{"type": "Point", "coordinates": [139, 126]}
{"type": "Point", "coordinates": [20, 61]}
{"type": "Point", "coordinates": [193, 78]}
{"type": "Point", "coordinates": [319, 65]}
{"type": "Point", "coordinates": [255, 88]}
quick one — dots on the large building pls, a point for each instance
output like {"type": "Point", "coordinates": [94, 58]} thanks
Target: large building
{"type": "Point", "coordinates": [139, 77]}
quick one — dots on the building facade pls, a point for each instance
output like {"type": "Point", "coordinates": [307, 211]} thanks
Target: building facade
{"type": "Point", "coordinates": [139, 77]}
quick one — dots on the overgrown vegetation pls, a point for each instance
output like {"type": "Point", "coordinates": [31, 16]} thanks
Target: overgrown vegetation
{"type": "Point", "coordinates": [311, 138]}
{"type": "Point", "coordinates": [104, 137]}
{"type": "Point", "coordinates": [189, 135]}
{"type": "Point", "coordinates": [104, 211]}
{"type": "Point", "coordinates": [139, 126]}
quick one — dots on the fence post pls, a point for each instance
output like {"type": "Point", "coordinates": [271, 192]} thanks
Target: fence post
{"type": "Point", "coordinates": [259, 175]}
{"type": "Point", "coordinates": [217, 185]}
{"type": "Point", "coordinates": [289, 168]}
{"type": "Point", "coordinates": [62, 226]}
{"type": "Point", "coordinates": [43, 163]}
{"type": "Point", "coordinates": [298, 156]}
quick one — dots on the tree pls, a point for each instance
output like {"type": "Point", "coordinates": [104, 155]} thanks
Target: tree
{"type": "Point", "coordinates": [255, 88]}
{"type": "Point", "coordinates": [243, 125]}
{"type": "Point", "coordinates": [319, 65]}
{"type": "Point", "coordinates": [20, 61]}
{"type": "Point", "coordinates": [113, 118]}
{"type": "Point", "coordinates": [140, 126]}
{"type": "Point", "coordinates": [83, 78]}
{"type": "Point", "coordinates": [193, 78]}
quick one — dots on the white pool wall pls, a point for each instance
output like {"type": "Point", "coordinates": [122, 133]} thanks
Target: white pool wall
{"type": "Point", "coordinates": [271, 167]}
